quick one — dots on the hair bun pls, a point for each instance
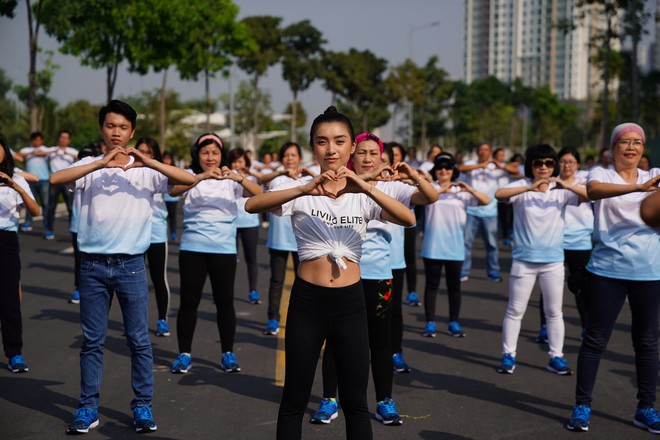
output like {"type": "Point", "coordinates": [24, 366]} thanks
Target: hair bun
{"type": "Point", "coordinates": [331, 109]}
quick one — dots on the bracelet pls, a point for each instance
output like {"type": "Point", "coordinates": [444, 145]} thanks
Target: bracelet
{"type": "Point", "coordinates": [241, 181]}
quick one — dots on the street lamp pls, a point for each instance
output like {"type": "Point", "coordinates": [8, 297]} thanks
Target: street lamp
{"type": "Point", "coordinates": [414, 29]}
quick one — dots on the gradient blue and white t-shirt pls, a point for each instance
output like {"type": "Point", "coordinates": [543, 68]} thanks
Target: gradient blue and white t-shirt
{"type": "Point", "coordinates": [624, 246]}
{"type": "Point", "coordinates": [11, 203]}
{"type": "Point", "coordinates": [245, 219]}
{"type": "Point", "coordinates": [579, 221]}
{"type": "Point", "coordinates": [280, 231]}
{"type": "Point", "coordinates": [538, 222]}
{"type": "Point", "coordinates": [37, 165]}
{"type": "Point", "coordinates": [486, 180]}
{"type": "Point", "coordinates": [61, 158]}
{"type": "Point", "coordinates": [444, 233]}
{"type": "Point", "coordinates": [377, 244]}
{"type": "Point", "coordinates": [209, 216]}
{"type": "Point", "coordinates": [159, 220]}
{"type": "Point", "coordinates": [116, 208]}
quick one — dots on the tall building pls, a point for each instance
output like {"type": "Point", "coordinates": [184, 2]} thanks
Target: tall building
{"type": "Point", "coordinates": [512, 39]}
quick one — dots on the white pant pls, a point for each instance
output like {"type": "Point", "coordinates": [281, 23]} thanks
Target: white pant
{"type": "Point", "coordinates": [523, 277]}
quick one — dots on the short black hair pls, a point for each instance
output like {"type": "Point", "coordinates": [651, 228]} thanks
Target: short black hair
{"type": "Point", "coordinates": [331, 115]}
{"type": "Point", "coordinates": [121, 108]}
{"type": "Point", "coordinates": [236, 153]}
{"type": "Point", "coordinates": [541, 151]}
{"type": "Point", "coordinates": [288, 145]}
{"type": "Point", "coordinates": [36, 134]}
{"type": "Point", "coordinates": [569, 150]}
{"type": "Point", "coordinates": [153, 146]}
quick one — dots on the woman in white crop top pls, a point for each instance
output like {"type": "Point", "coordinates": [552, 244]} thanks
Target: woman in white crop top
{"type": "Point", "coordinates": [329, 214]}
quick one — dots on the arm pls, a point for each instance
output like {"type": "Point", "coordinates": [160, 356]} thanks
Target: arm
{"type": "Point", "coordinates": [30, 204]}
{"type": "Point", "coordinates": [482, 198]}
{"type": "Point", "coordinates": [175, 175]}
{"type": "Point", "coordinates": [597, 190]}
{"type": "Point", "coordinates": [266, 178]}
{"type": "Point", "coordinates": [504, 194]}
{"type": "Point", "coordinates": [650, 210]}
{"type": "Point", "coordinates": [393, 210]}
{"type": "Point", "coordinates": [29, 177]}
{"type": "Point", "coordinates": [581, 191]}
{"type": "Point", "coordinates": [425, 194]}
{"type": "Point", "coordinates": [468, 168]}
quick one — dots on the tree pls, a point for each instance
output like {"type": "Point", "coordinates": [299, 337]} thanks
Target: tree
{"type": "Point", "coordinates": [244, 104]}
{"type": "Point", "coordinates": [404, 84]}
{"type": "Point", "coordinates": [267, 51]}
{"type": "Point", "coordinates": [636, 18]}
{"type": "Point", "coordinates": [430, 104]}
{"type": "Point", "coordinates": [81, 119]}
{"type": "Point", "coordinates": [356, 78]}
{"type": "Point", "coordinates": [300, 62]}
{"type": "Point", "coordinates": [35, 96]}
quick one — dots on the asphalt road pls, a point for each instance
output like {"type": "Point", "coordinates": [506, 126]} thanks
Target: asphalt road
{"type": "Point", "coordinates": [453, 391]}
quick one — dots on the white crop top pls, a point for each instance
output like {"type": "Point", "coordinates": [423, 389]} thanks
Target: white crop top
{"type": "Point", "coordinates": [329, 227]}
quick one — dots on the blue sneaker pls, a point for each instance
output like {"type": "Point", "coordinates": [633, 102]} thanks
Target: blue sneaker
{"type": "Point", "coordinates": [182, 364]}
{"type": "Point", "coordinates": [464, 277]}
{"type": "Point", "coordinates": [253, 297]}
{"type": "Point", "coordinates": [272, 328]}
{"type": "Point", "coordinates": [647, 418]}
{"type": "Point", "coordinates": [508, 364]}
{"type": "Point", "coordinates": [579, 420]}
{"type": "Point", "coordinates": [387, 414]}
{"type": "Point", "coordinates": [326, 413]}
{"type": "Point", "coordinates": [84, 419]}
{"type": "Point", "coordinates": [228, 363]}
{"type": "Point", "coordinates": [429, 330]}
{"type": "Point", "coordinates": [542, 337]}
{"type": "Point", "coordinates": [16, 364]}
{"type": "Point", "coordinates": [173, 236]}
{"type": "Point", "coordinates": [455, 330]}
{"type": "Point", "coordinates": [26, 227]}
{"type": "Point", "coordinates": [413, 300]}
{"type": "Point", "coordinates": [48, 235]}
{"type": "Point", "coordinates": [559, 366]}
{"type": "Point", "coordinates": [143, 419]}
{"type": "Point", "coordinates": [400, 365]}
{"type": "Point", "coordinates": [162, 328]}
{"type": "Point", "coordinates": [75, 298]}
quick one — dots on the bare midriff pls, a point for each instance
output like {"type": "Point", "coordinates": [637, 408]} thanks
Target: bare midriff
{"type": "Point", "coordinates": [325, 273]}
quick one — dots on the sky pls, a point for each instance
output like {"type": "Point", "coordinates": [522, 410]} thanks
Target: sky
{"type": "Point", "coordinates": [383, 27]}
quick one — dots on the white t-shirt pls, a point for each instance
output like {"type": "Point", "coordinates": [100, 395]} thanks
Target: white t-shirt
{"type": "Point", "coordinates": [159, 220]}
{"type": "Point", "coordinates": [625, 247]}
{"type": "Point", "coordinates": [209, 216]}
{"type": "Point", "coordinates": [376, 246]}
{"type": "Point", "coordinates": [280, 231]}
{"type": "Point", "coordinates": [444, 230]}
{"type": "Point", "coordinates": [11, 203]}
{"type": "Point", "coordinates": [116, 206]}
{"type": "Point", "coordinates": [538, 222]}
{"type": "Point", "coordinates": [330, 227]}
{"type": "Point", "coordinates": [486, 180]}
{"type": "Point", "coordinates": [427, 166]}
{"type": "Point", "coordinates": [579, 221]}
{"type": "Point", "coordinates": [245, 219]}
{"type": "Point", "coordinates": [60, 158]}
{"type": "Point", "coordinates": [37, 165]}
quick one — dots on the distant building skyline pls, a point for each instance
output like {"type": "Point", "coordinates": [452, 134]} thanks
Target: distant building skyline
{"type": "Point", "coordinates": [512, 39]}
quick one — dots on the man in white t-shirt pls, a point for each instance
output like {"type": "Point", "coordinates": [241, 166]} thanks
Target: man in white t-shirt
{"type": "Point", "coordinates": [484, 175]}
{"type": "Point", "coordinates": [114, 230]}
{"type": "Point", "coordinates": [60, 157]}
{"type": "Point", "coordinates": [36, 162]}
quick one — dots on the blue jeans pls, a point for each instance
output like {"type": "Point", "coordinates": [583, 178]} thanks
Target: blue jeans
{"type": "Point", "coordinates": [100, 277]}
{"type": "Point", "coordinates": [488, 228]}
{"type": "Point", "coordinates": [40, 191]}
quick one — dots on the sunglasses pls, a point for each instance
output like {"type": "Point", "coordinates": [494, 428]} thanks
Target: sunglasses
{"type": "Point", "coordinates": [444, 166]}
{"type": "Point", "coordinates": [538, 163]}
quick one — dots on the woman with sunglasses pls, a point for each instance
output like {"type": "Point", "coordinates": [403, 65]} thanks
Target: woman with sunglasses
{"type": "Point", "coordinates": [539, 202]}
{"type": "Point", "coordinates": [376, 278]}
{"type": "Point", "coordinates": [444, 243]}
{"type": "Point", "coordinates": [624, 265]}
{"type": "Point", "coordinates": [577, 238]}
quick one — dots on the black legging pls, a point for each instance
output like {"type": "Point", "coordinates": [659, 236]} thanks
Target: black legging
{"type": "Point", "coordinates": [378, 298]}
{"type": "Point", "coordinates": [433, 271]}
{"type": "Point", "coordinates": [410, 254]}
{"type": "Point", "coordinates": [221, 269]}
{"type": "Point", "coordinates": [317, 314]}
{"type": "Point", "coordinates": [11, 321]}
{"type": "Point", "coordinates": [397, 310]}
{"type": "Point", "coordinates": [171, 215]}
{"type": "Point", "coordinates": [249, 237]}
{"type": "Point", "coordinates": [576, 263]}
{"type": "Point", "coordinates": [157, 259]}
{"type": "Point", "coordinates": [609, 295]}
{"type": "Point", "coordinates": [277, 273]}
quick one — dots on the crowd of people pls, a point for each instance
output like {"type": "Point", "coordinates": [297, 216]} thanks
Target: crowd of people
{"type": "Point", "coordinates": [360, 203]}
